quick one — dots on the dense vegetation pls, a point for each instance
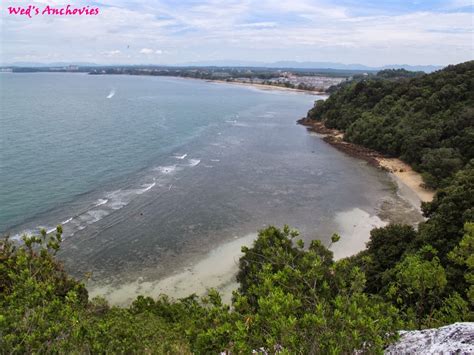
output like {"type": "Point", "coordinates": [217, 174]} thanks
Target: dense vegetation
{"type": "Point", "coordinates": [291, 299]}
{"type": "Point", "coordinates": [426, 120]}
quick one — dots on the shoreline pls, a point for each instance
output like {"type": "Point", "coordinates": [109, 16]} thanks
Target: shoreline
{"type": "Point", "coordinates": [403, 174]}
{"type": "Point", "coordinates": [264, 86]}
{"type": "Point", "coordinates": [251, 85]}
{"type": "Point", "coordinates": [218, 267]}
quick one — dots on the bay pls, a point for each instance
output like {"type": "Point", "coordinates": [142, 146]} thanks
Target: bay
{"type": "Point", "coordinates": [148, 174]}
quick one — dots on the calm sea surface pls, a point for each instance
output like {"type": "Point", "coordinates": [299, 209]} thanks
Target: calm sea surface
{"type": "Point", "coordinates": [145, 172]}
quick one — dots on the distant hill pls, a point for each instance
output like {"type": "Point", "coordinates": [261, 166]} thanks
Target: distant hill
{"type": "Point", "coordinates": [313, 65]}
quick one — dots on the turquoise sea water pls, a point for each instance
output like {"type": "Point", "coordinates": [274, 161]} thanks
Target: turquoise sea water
{"type": "Point", "coordinates": [143, 171]}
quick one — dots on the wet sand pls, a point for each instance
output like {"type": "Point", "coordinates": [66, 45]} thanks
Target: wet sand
{"type": "Point", "coordinates": [407, 177]}
{"type": "Point", "coordinates": [354, 227]}
{"type": "Point", "coordinates": [217, 269]}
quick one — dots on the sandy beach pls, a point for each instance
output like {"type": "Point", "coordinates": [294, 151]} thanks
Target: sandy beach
{"type": "Point", "coordinates": [268, 87]}
{"type": "Point", "coordinates": [408, 176]}
{"type": "Point", "coordinates": [259, 86]}
{"type": "Point", "coordinates": [216, 270]}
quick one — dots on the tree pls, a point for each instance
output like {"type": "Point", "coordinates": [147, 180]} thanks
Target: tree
{"type": "Point", "coordinates": [438, 164]}
{"type": "Point", "coordinates": [43, 310]}
{"type": "Point", "coordinates": [463, 255]}
{"type": "Point", "coordinates": [385, 249]}
{"type": "Point", "coordinates": [420, 280]}
{"type": "Point", "coordinates": [426, 120]}
{"type": "Point", "coordinates": [302, 301]}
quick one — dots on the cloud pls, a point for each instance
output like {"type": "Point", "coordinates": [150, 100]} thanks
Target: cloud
{"type": "Point", "coordinates": [146, 51]}
{"type": "Point", "coordinates": [258, 25]}
{"type": "Point", "coordinates": [457, 4]}
{"type": "Point", "coordinates": [258, 30]}
{"type": "Point", "coordinates": [149, 51]}
{"type": "Point", "coordinates": [113, 53]}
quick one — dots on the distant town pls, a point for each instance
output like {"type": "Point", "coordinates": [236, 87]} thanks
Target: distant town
{"type": "Point", "coordinates": [318, 80]}
{"type": "Point", "coordinates": [314, 80]}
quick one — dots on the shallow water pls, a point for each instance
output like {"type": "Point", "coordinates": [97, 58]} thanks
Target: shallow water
{"type": "Point", "coordinates": [149, 174]}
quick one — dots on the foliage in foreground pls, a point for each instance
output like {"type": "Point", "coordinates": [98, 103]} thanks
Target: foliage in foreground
{"type": "Point", "coordinates": [43, 310]}
{"type": "Point", "coordinates": [292, 299]}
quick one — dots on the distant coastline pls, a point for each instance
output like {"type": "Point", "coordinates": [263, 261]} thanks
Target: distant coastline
{"type": "Point", "coordinates": [237, 82]}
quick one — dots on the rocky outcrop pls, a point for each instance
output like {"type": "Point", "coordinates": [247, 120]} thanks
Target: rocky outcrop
{"type": "Point", "coordinates": [457, 338]}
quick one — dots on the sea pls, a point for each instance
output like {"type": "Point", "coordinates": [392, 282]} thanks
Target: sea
{"type": "Point", "coordinates": [147, 174]}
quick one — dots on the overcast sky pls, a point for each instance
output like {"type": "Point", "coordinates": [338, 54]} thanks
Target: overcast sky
{"type": "Point", "coordinates": [372, 32]}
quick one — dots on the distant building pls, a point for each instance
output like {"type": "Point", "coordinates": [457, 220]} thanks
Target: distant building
{"type": "Point", "coordinates": [220, 75]}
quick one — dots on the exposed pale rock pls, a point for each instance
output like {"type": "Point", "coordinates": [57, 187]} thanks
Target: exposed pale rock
{"type": "Point", "coordinates": [457, 338]}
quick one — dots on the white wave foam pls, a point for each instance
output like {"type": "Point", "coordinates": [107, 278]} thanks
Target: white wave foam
{"type": "Point", "coordinates": [166, 169]}
{"type": "Point", "coordinates": [268, 114]}
{"type": "Point", "coordinates": [117, 199]}
{"type": "Point", "coordinates": [101, 201]}
{"type": "Point", "coordinates": [93, 216]}
{"type": "Point", "coordinates": [111, 94]}
{"type": "Point", "coordinates": [18, 236]}
{"type": "Point", "coordinates": [241, 124]}
{"type": "Point", "coordinates": [216, 160]}
{"type": "Point", "coordinates": [181, 157]}
{"type": "Point", "coordinates": [36, 231]}
{"type": "Point", "coordinates": [194, 162]}
{"type": "Point", "coordinates": [67, 221]}
{"type": "Point", "coordinates": [146, 188]}
{"type": "Point", "coordinates": [117, 204]}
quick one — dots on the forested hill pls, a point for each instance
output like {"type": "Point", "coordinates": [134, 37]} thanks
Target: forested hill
{"type": "Point", "coordinates": [427, 120]}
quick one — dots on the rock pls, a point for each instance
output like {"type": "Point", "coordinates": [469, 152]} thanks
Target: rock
{"type": "Point", "coordinates": [457, 338]}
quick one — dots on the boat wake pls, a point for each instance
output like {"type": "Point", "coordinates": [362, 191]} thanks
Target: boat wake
{"type": "Point", "coordinates": [111, 94]}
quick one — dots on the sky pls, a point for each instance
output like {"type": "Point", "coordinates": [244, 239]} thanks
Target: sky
{"type": "Point", "coordinates": [371, 32]}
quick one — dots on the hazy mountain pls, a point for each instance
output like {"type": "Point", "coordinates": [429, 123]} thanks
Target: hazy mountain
{"type": "Point", "coordinates": [312, 65]}
{"type": "Point", "coordinates": [243, 63]}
